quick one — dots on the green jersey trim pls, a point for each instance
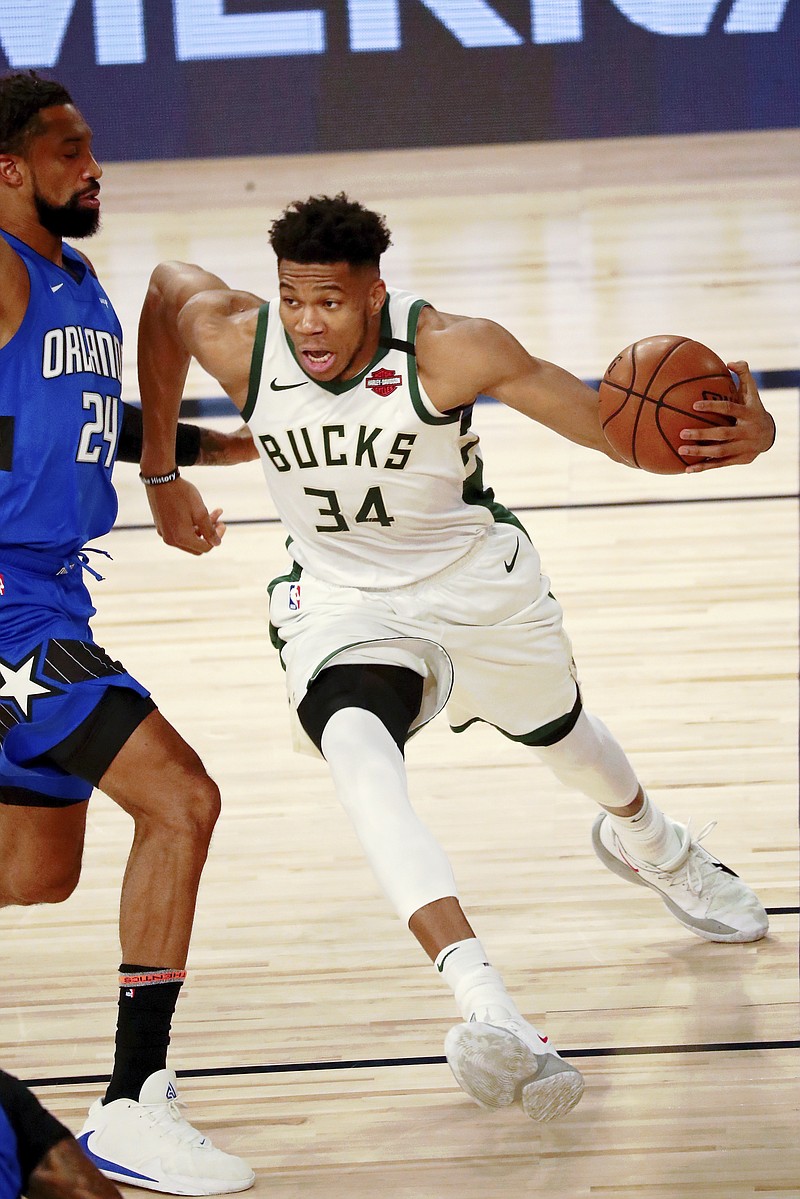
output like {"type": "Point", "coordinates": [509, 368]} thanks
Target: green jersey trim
{"type": "Point", "coordinates": [256, 361]}
{"type": "Point", "coordinates": [474, 491]}
{"type": "Point", "coordinates": [348, 384]}
{"type": "Point", "coordinates": [546, 734]}
{"type": "Point", "coordinates": [447, 418]}
{"type": "Point", "coordinates": [292, 577]}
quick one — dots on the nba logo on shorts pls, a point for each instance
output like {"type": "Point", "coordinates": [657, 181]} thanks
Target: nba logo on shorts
{"type": "Point", "coordinates": [2, 585]}
{"type": "Point", "coordinates": [294, 597]}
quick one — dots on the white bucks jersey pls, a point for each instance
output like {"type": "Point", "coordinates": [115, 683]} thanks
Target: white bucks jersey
{"type": "Point", "coordinates": [374, 486]}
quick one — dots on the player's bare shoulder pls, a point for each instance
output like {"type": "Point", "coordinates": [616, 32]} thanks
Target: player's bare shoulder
{"type": "Point", "coordinates": [219, 328]}
{"type": "Point", "coordinates": [453, 353]}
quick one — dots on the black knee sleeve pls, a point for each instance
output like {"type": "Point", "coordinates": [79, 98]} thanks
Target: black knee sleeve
{"type": "Point", "coordinates": [393, 693]}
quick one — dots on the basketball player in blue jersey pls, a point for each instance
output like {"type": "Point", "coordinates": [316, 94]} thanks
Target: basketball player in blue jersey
{"type": "Point", "coordinates": [39, 1157]}
{"type": "Point", "coordinates": [71, 717]}
{"type": "Point", "coordinates": [411, 586]}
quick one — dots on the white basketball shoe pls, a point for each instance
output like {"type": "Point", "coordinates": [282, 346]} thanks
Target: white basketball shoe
{"type": "Point", "coordinates": [703, 894]}
{"type": "Point", "coordinates": [499, 1059]}
{"type": "Point", "coordinates": [149, 1144]}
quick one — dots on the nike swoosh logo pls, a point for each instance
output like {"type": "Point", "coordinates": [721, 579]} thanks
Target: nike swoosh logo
{"type": "Point", "coordinates": [103, 1163]}
{"type": "Point", "coordinates": [510, 565]}
{"type": "Point", "coordinates": [56, 286]}
{"type": "Point", "coordinates": [440, 965]}
{"type": "Point", "coordinates": [276, 386]}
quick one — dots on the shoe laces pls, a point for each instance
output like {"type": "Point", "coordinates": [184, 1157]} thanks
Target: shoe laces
{"type": "Point", "coordinates": [685, 868]}
{"type": "Point", "coordinates": [167, 1116]}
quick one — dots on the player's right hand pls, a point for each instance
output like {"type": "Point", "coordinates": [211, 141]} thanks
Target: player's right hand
{"type": "Point", "coordinates": [182, 519]}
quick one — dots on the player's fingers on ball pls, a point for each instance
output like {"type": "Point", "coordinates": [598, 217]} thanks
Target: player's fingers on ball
{"type": "Point", "coordinates": [721, 433]}
{"type": "Point", "coordinates": [703, 451]}
{"type": "Point", "coordinates": [716, 433]}
{"type": "Point", "coordinates": [723, 407]}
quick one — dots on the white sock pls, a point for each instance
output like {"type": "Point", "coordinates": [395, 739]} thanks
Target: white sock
{"type": "Point", "coordinates": [478, 988]}
{"type": "Point", "coordinates": [648, 835]}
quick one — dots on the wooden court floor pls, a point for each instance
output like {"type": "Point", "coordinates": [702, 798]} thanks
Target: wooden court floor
{"type": "Point", "coordinates": [309, 1037]}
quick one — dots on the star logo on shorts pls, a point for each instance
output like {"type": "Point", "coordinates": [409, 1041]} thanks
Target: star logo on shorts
{"type": "Point", "coordinates": [18, 684]}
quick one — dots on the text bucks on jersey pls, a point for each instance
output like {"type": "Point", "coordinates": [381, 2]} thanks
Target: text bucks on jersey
{"type": "Point", "coordinates": [374, 486]}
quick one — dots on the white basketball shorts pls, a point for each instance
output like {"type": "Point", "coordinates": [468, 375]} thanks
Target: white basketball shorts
{"type": "Point", "coordinates": [485, 634]}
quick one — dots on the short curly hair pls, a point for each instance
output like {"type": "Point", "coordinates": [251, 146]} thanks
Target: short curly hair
{"type": "Point", "coordinates": [330, 229]}
{"type": "Point", "coordinates": [22, 97]}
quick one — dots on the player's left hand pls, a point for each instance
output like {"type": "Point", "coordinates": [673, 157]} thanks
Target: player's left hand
{"type": "Point", "coordinates": [752, 432]}
{"type": "Point", "coordinates": [182, 519]}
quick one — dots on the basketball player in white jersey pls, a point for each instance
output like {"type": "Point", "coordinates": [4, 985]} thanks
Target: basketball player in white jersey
{"type": "Point", "coordinates": [410, 587]}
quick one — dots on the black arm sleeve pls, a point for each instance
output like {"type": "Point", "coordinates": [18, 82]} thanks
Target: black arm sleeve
{"type": "Point", "coordinates": [129, 448]}
{"type": "Point", "coordinates": [35, 1129]}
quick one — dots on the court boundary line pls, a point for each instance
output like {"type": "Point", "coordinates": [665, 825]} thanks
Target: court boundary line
{"type": "Point", "coordinates": [382, 1063]}
{"type": "Point", "coordinates": [77, 1080]}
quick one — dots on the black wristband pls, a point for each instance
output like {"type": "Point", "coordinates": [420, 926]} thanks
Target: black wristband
{"type": "Point", "coordinates": [157, 480]}
{"type": "Point", "coordinates": [129, 446]}
{"type": "Point", "coordinates": [187, 444]}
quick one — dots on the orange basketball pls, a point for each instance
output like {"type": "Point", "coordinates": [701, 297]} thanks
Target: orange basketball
{"type": "Point", "coordinates": [646, 398]}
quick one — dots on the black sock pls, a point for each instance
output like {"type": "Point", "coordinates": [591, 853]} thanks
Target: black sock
{"type": "Point", "coordinates": [147, 998]}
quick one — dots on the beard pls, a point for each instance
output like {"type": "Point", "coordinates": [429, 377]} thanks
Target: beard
{"type": "Point", "coordinates": [67, 220]}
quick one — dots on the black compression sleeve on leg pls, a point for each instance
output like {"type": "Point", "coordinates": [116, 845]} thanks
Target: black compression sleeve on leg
{"type": "Point", "coordinates": [392, 693]}
{"type": "Point", "coordinates": [36, 1130]}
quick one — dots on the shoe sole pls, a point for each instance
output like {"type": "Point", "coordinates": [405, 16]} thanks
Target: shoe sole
{"type": "Point", "coordinates": [497, 1069]}
{"type": "Point", "coordinates": [709, 930]}
{"type": "Point", "coordinates": [180, 1185]}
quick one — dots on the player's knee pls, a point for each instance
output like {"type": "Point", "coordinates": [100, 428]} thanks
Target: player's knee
{"type": "Point", "coordinates": [51, 882]}
{"type": "Point", "coordinates": [188, 809]}
{"type": "Point", "coordinates": [580, 749]}
{"type": "Point", "coordinates": [199, 806]}
{"type": "Point", "coordinates": [392, 693]}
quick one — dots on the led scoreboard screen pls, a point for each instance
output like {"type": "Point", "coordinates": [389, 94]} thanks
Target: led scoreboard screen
{"type": "Point", "coordinates": [199, 78]}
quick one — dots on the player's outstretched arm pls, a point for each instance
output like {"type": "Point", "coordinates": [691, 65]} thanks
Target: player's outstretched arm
{"type": "Point", "coordinates": [226, 449]}
{"type": "Point", "coordinates": [195, 445]}
{"type": "Point", "coordinates": [187, 312]}
{"type": "Point", "coordinates": [752, 433]}
{"type": "Point", "coordinates": [462, 357]}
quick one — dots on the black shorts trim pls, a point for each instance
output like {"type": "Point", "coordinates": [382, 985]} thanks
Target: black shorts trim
{"type": "Point", "coordinates": [23, 797]}
{"type": "Point", "coordinates": [90, 749]}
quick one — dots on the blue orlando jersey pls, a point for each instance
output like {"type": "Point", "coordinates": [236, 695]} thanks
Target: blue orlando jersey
{"type": "Point", "coordinates": [60, 381]}
{"type": "Point", "coordinates": [10, 1173]}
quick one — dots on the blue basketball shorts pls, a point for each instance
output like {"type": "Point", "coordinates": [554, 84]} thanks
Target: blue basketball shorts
{"type": "Point", "coordinates": [53, 676]}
